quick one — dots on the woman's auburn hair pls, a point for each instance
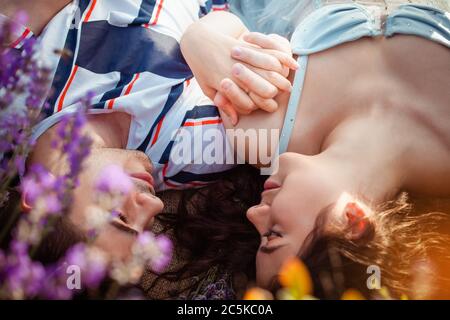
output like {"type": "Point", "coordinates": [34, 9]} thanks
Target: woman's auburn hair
{"type": "Point", "coordinates": [407, 241]}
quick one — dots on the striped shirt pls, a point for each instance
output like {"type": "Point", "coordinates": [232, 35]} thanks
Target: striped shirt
{"type": "Point", "coordinates": [127, 54]}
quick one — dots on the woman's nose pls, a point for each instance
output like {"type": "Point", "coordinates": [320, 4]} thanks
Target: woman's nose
{"type": "Point", "coordinates": [280, 168]}
{"type": "Point", "coordinates": [259, 216]}
{"type": "Point", "coordinates": [141, 208]}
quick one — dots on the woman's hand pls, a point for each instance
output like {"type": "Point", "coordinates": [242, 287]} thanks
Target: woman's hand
{"type": "Point", "coordinates": [258, 77]}
{"type": "Point", "coordinates": [208, 54]}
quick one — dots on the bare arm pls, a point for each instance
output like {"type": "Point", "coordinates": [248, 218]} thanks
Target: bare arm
{"type": "Point", "coordinates": [212, 47]}
{"type": "Point", "coordinates": [206, 45]}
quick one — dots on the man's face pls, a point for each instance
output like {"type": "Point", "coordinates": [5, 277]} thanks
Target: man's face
{"type": "Point", "coordinates": [138, 209]}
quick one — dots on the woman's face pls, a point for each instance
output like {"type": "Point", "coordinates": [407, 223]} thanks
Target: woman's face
{"type": "Point", "coordinates": [290, 205]}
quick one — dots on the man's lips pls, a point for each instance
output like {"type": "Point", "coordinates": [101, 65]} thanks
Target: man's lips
{"type": "Point", "coordinates": [146, 177]}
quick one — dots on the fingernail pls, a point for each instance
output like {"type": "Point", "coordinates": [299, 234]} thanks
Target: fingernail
{"type": "Point", "coordinates": [236, 52]}
{"type": "Point", "coordinates": [226, 85]}
{"type": "Point", "coordinates": [237, 69]}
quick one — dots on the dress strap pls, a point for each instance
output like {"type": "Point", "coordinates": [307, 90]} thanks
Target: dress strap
{"type": "Point", "coordinates": [291, 111]}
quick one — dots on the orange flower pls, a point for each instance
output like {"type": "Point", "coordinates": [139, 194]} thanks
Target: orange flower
{"type": "Point", "coordinates": [352, 294]}
{"type": "Point", "coordinates": [258, 294]}
{"type": "Point", "coordinates": [295, 277]}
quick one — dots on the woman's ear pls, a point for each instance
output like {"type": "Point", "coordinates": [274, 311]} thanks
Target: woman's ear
{"type": "Point", "coordinates": [358, 223]}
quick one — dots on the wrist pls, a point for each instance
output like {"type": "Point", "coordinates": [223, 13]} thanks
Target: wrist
{"type": "Point", "coordinates": [207, 53]}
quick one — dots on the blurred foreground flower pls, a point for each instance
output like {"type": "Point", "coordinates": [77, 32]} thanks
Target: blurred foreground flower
{"type": "Point", "coordinates": [295, 279]}
{"type": "Point", "coordinates": [114, 180]}
{"type": "Point", "coordinates": [155, 251]}
{"type": "Point", "coordinates": [43, 196]}
{"type": "Point", "coordinates": [258, 294]}
{"type": "Point", "coordinates": [112, 184]}
{"type": "Point", "coordinates": [352, 294]}
{"type": "Point", "coordinates": [93, 264]}
{"type": "Point", "coordinates": [148, 250]}
{"type": "Point", "coordinates": [21, 276]}
{"type": "Point", "coordinates": [24, 82]}
{"type": "Point", "coordinates": [24, 85]}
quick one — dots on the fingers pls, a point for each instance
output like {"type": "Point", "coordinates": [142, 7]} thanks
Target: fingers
{"type": "Point", "coordinates": [282, 42]}
{"type": "Point", "coordinates": [225, 105]}
{"type": "Point", "coordinates": [274, 78]}
{"type": "Point", "coordinates": [276, 43]}
{"type": "Point", "coordinates": [253, 82]}
{"type": "Point", "coordinates": [267, 59]}
{"type": "Point", "coordinates": [233, 100]}
{"type": "Point", "coordinates": [257, 58]}
{"type": "Point", "coordinates": [265, 41]}
{"type": "Point", "coordinates": [269, 105]}
{"type": "Point", "coordinates": [238, 97]}
{"type": "Point", "coordinates": [285, 58]}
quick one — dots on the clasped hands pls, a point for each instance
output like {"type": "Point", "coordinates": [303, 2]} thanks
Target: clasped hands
{"type": "Point", "coordinates": [260, 70]}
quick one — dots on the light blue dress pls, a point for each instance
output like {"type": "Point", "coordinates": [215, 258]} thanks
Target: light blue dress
{"type": "Point", "coordinates": [317, 25]}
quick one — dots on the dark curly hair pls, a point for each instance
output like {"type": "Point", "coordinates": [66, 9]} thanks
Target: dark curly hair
{"type": "Point", "coordinates": [211, 225]}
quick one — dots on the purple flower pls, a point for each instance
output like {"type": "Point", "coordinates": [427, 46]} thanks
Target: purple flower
{"type": "Point", "coordinates": [24, 80]}
{"type": "Point", "coordinates": [158, 264]}
{"type": "Point", "coordinates": [44, 194]}
{"type": "Point", "coordinates": [23, 277]}
{"type": "Point", "coordinates": [41, 184]}
{"type": "Point", "coordinates": [31, 189]}
{"type": "Point", "coordinates": [55, 284]}
{"type": "Point", "coordinates": [19, 248]}
{"type": "Point", "coordinates": [53, 204]}
{"type": "Point", "coordinates": [21, 17]}
{"type": "Point", "coordinates": [92, 263]}
{"type": "Point", "coordinates": [113, 179]}
{"type": "Point", "coordinates": [219, 290]}
{"type": "Point", "coordinates": [155, 251]}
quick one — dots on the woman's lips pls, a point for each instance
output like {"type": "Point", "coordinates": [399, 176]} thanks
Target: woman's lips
{"type": "Point", "coordinates": [270, 184]}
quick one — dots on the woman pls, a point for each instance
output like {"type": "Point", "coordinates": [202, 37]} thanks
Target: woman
{"type": "Point", "coordinates": [367, 119]}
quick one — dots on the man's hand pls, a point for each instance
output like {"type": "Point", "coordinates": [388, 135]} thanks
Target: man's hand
{"type": "Point", "coordinates": [265, 61]}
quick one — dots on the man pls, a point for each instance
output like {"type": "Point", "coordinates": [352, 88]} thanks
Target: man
{"type": "Point", "coordinates": [127, 54]}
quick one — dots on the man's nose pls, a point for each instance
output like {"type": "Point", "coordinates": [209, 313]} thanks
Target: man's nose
{"type": "Point", "coordinates": [140, 209]}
